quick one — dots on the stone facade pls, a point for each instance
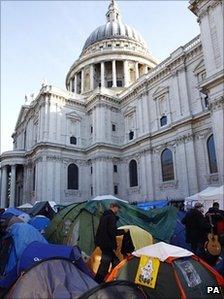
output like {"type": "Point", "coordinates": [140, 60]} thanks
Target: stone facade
{"type": "Point", "coordinates": [119, 106]}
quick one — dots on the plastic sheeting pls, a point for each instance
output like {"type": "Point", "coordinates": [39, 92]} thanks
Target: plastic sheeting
{"type": "Point", "coordinates": [153, 204]}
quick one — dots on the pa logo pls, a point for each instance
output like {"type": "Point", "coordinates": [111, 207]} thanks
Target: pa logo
{"type": "Point", "coordinates": [213, 290]}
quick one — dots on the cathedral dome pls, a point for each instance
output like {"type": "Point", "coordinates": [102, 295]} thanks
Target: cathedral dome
{"type": "Point", "coordinates": [114, 29]}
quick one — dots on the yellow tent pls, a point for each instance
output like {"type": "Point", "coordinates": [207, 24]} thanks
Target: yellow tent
{"type": "Point", "coordinates": [140, 238]}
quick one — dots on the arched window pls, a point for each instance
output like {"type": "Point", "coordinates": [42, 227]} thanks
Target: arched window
{"type": "Point", "coordinates": [73, 140]}
{"type": "Point", "coordinates": [163, 121]}
{"type": "Point", "coordinates": [167, 165]}
{"type": "Point", "coordinates": [73, 177]}
{"type": "Point", "coordinates": [212, 155]}
{"type": "Point", "coordinates": [133, 173]}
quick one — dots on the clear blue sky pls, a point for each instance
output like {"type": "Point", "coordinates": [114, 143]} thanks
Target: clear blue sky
{"type": "Point", "coordinates": [41, 39]}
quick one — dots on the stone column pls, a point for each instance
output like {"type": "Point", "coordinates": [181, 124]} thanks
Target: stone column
{"type": "Point", "coordinates": [183, 171]}
{"type": "Point", "coordinates": [70, 84]}
{"type": "Point", "coordinates": [217, 117]}
{"type": "Point", "coordinates": [75, 83]}
{"type": "Point", "coordinates": [184, 93]}
{"type": "Point", "coordinates": [145, 69]}
{"type": "Point", "coordinates": [150, 175]}
{"type": "Point", "coordinates": [191, 165]}
{"type": "Point", "coordinates": [125, 65]}
{"type": "Point", "coordinates": [136, 71]}
{"type": "Point", "coordinates": [114, 73]}
{"type": "Point", "coordinates": [91, 77]}
{"type": "Point", "coordinates": [82, 81]}
{"type": "Point", "coordinates": [4, 186]}
{"type": "Point", "coordinates": [102, 74]}
{"type": "Point", "coordinates": [12, 186]}
{"type": "Point", "coordinates": [143, 177]}
{"type": "Point", "coordinates": [46, 118]}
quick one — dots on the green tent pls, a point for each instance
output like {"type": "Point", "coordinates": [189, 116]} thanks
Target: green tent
{"type": "Point", "coordinates": [77, 223]}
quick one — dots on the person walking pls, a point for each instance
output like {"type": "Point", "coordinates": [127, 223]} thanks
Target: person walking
{"type": "Point", "coordinates": [197, 229]}
{"type": "Point", "coordinates": [106, 240]}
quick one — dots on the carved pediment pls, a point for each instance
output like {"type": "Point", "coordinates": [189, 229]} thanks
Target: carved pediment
{"type": "Point", "coordinates": [74, 116]}
{"type": "Point", "coordinates": [22, 115]}
{"type": "Point", "coordinates": [160, 92]}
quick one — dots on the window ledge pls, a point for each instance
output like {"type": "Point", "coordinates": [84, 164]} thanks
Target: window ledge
{"type": "Point", "coordinates": [70, 192]}
{"type": "Point", "coordinates": [169, 184]}
{"type": "Point", "coordinates": [132, 190]}
{"type": "Point", "coordinates": [212, 178]}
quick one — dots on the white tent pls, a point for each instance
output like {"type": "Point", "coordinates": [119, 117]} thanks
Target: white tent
{"type": "Point", "coordinates": [102, 197]}
{"type": "Point", "coordinates": [162, 251]}
{"type": "Point", "coordinates": [207, 197]}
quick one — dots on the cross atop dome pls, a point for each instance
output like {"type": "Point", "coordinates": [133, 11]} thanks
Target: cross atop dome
{"type": "Point", "coordinates": [113, 13]}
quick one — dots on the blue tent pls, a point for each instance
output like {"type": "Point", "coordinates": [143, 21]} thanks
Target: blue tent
{"type": "Point", "coordinates": [29, 248]}
{"type": "Point", "coordinates": [40, 222]}
{"type": "Point", "coordinates": [22, 235]}
{"type": "Point", "coordinates": [178, 237]}
{"type": "Point", "coordinates": [37, 251]}
{"type": "Point", "coordinates": [13, 211]}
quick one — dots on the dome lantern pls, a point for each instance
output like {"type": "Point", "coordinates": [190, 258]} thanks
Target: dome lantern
{"type": "Point", "coordinates": [113, 13]}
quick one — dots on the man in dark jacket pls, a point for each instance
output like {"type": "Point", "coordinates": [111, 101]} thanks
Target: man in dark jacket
{"type": "Point", "coordinates": [197, 228]}
{"type": "Point", "coordinates": [106, 240]}
{"type": "Point", "coordinates": [214, 215]}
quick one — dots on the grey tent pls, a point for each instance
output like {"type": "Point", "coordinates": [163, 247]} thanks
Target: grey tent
{"type": "Point", "coordinates": [115, 290]}
{"type": "Point", "coordinates": [54, 278]}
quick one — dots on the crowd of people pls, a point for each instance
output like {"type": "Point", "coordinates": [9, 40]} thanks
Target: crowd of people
{"type": "Point", "coordinates": [199, 225]}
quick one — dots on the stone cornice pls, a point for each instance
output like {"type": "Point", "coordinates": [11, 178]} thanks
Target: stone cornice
{"type": "Point", "coordinates": [201, 8]}
{"type": "Point", "coordinates": [111, 40]}
{"type": "Point", "coordinates": [12, 154]}
{"type": "Point", "coordinates": [104, 99]}
{"type": "Point", "coordinates": [213, 80]}
{"type": "Point", "coordinates": [216, 104]}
